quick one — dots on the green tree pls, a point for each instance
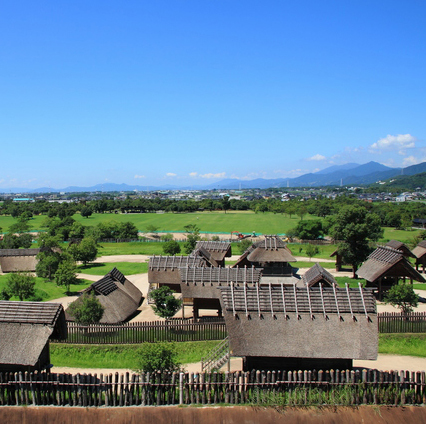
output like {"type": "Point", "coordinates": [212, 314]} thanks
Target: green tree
{"type": "Point", "coordinates": [165, 304]}
{"type": "Point", "coordinates": [65, 275]}
{"type": "Point", "coordinates": [86, 211]}
{"type": "Point", "coordinates": [86, 309]}
{"type": "Point", "coordinates": [77, 231]}
{"type": "Point", "coordinates": [85, 251]}
{"type": "Point", "coordinates": [171, 247]}
{"type": "Point", "coordinates": [192, 236]}
{"type": "Point", "coordinates": [403, 297]}
{"type": "Point", "coordinates": [244, 244]}
{"type": "Point", "coordinates": [47, 265]}
{"type": "Point", "coordinates": [311, 250]}
{"type": "Point", "coordinates": [354, 226]}
{"type": "Point", "coordinates": [309, 230]}
{"type": "Point", "coordinates": [158, 357]}
{"type": "Point", "coordinates": [225, 203]}
{"type": "Point", "coordinates": [152, 229]}
{"type": "Point", "coordinates": [21, 285]}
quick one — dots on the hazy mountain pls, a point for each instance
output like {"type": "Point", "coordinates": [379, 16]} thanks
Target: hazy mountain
{"type": "Point", "coordinates": [348, 174]}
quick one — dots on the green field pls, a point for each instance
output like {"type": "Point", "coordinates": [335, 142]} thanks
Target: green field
{"type": "Point", "coordinates": [48, 290]}
{"type": "Point", "coordinates": [403, 344]}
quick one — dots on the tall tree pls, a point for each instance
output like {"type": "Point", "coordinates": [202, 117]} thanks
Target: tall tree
{"type": "Point", "coordinates": [21, 285]}
{"type": "Point", "coordinates": [165, 304]}
{"type": "Point", "coordinates": [355, 227]}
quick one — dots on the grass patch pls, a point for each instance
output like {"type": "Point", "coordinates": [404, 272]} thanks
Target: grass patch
{"type": "Point", "coordinates": [132, 248]}
{"type": "Point", "coordinates": [309, 264]}
{"type": "Point", "coordinates": [419, 286]}
{"type": "Point", "coordinates": [119, 356]}
{"type": "Point", "coordinates": [127, 268]}
{"type": "Point", "coordinates": [353, 284]}
{"type": "Point", "coordinates": [48, 290]}
{"type": "Point", "coordinates": [403, 344]}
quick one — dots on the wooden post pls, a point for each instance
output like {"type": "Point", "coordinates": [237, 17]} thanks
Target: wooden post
{"type": "Point", "coordinates": [181, 388]}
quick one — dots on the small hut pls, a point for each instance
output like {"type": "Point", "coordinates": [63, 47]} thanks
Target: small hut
{"type": "Point", "coordinates": [339, 259]}
{"type": "Point", "coordinates": [271, 254]}
{"type": "Point", "coordinates": [199, 286]}
{"type": "Point", "coordinates": [219, 250]}
{"type": "Point", "coordinates": [18, 260]}
{"type": "Point", "coordinates": [274, 327]}
{"type": "Point", "coordinates": [420, 253]}
{"type": "Point", "coordinates": [25, 330]}
{"type": "Point", "coordinates": [316, 276]}
{"type": "Point", "coordinates": [384, 267]}
{"type": "Point", "coordinates": [119, 297]}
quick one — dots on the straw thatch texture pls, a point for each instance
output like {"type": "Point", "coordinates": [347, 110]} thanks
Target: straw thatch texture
{"type": "Point", "coordinates": [399, 245]}
{"type": "Point", "coordinates": [218, 249]}
{"type": "Point", "coordinates": [318, 275]}
{"type": "Point", "coordinates": [206, 255]}
{"type": "Point", "coordinates": [15, 260]}
{"type": "Point", "coordinates": [25, 329]}
{"type": "Point", "coordinates": [387, 262]}
{"type": "Point", "coordinates": [420, 250]}
{"type": "Point", "coordinates": [280, 322]}
{"type": "Point", "coordinates": [117, 295]}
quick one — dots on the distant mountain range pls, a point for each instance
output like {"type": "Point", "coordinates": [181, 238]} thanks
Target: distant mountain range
{"type": "Point", "coordinates": [348, 174]}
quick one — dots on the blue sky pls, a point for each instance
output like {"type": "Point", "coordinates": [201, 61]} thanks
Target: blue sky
{"type": "Point", "coordinates": [191, 92]}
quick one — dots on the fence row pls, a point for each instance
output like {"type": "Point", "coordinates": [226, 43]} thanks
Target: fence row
{"type": "Point", "coordinates": [298, 388]}
{"type": "Point", "coordinates": [139, 332]}
{"type": "Point", "coordinates": [186, 330]}
{"type": "Point", "coordinates": [390, 322]}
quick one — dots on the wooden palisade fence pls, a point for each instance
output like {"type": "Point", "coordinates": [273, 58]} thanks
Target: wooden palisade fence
{"type": "Point", "coordinates": [186, 330]}
{"type": "Point", "coordinates": [298, 388]}
{"type": "Point", "coordinates": [391, 322]}
{"type": "Point", "coordinates": [139, 332]}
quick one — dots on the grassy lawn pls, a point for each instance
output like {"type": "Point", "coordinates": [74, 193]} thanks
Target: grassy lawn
{"type": "Point", "coordinates": [132, 248]}
{"type": "Point", "coordinates": [119, 356]}
{"type": "Point", "coordinates": [126, 356]}
{"type": "Point", "coordinates": [309, 264]}
{"type": "Point", "coordinates": [127, 268]}
{"type": "Point", "coordinates": [341, 281]}
{"type": "Point", "coordinates": [403, 344]}
{"type": "Point", "coordinates": [419, 286]}
{"type": "Point", "coordinates": [48, 290]}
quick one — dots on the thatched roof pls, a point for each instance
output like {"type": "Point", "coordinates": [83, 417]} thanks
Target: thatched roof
{"type": "Point", "coordinates": [387, 262]}
{"type": "Point", "coordinates": [317, 274]}
{"type": "Point", "coordinates": [25, 328]}
{"type": "Point", "coordinates": [174, 262]}
{"type": "Point", "coordinates": [270, 249]}
{"type": "Point", "coordinates": [117, 295]}
{"type": "Point", "coordinates": [273, 321]}
{"type": "Point", "coordinates": [218, 249]}
{"type": "Point", "coordinates": [206, 255]}
{"type": "Point", "coordinates": [420, 250]}
{"type": "Point", "coordinates": [399, 245]}
{"type": "Point", "coordinates": [219, 275]}
{"type": "Point", "coordinates": [19, 252]}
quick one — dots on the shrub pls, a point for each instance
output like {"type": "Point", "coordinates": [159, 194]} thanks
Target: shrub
{"type": "Point", "coordinates": [158, 357]}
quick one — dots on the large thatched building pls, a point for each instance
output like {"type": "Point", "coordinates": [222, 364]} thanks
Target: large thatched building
{"type": "Point", "coordinates": [271, 254]}
{"type": "Point", "coordinates": [119, 297]}
{"type": "Point", "coordinates": [199, 286]}
{"type": "Point", "coordinates": [384, 267]}
{"type": "Point", "coordinates": [18, 260]}
{"type": "Point", "coordinates": [25, 330]}
{"type": "Point", "coordinates": [274, 327]}
{"type": "Point", "coordinates": [219, 250]}
{"type": "Point", "coordinates": [164, 270]}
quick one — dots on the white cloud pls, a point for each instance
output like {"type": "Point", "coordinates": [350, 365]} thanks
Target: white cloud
{"type": "Point", "coordinates": [171, 174]}
{"type": "Point", "coordinates": [207, 176]}
{"type": "Point", "coordinates": [317, 157]}
{"type": "Point", "coordinates": [140, 176]}
{"type": "Point", "coordinates": [398, 142]}
{"type": "Point", "coordinates": [411, 160]}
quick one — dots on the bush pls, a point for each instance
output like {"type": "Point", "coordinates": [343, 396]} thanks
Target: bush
{"type": "Point", "coordinates": [171, 247]}
{"type": "Point", "coordinates": [86, 310]}
{"type": "Point", "coordinates": [158, 357]}
{"type": "Point", "coordinates": [403, 297]}
{"type": "Point", "coordinates": [165, 304]}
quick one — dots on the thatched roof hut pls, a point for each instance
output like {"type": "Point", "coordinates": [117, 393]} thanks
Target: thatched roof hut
{"type": "Point", "coordinates": [399, 245]}
{"type": "Point", "coordinates": [164, 270]}
{"type": "Point", "coordinates": [199, 286]}
{"type": "Point", "coordinates": [25, 330]}
{"type": "Point", "coordinates": [385, 266]}
{"type": "Point", "coordinates": [117, 295]}
{"type": "Point", "coordinates": [317, 275]}
{"type": "Point", "coordinates": [18, 260]}
{"type": "Point", "coordinates": [420, 253]}
{"type": "Point", "coordinates": [274, 327]}
{"type": "Point", "coordinates": [219, 250]}
{"type": "Point", "coordinates": [271, 254]}
{"type": "Point", "coordinates": [206, 255]}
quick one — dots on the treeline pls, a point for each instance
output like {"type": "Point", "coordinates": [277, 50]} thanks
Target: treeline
{"type": "Point", "coordinates": [398, 215]}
